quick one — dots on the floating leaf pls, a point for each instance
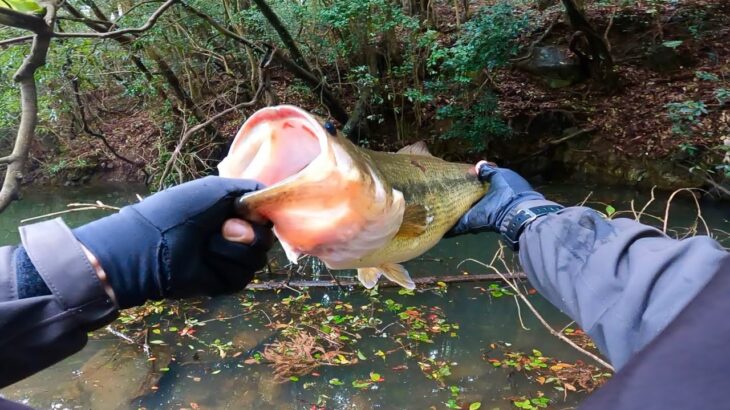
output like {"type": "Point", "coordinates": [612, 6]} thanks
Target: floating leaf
{"type": "Point", "coordinates": [610, 210]}
{"type": "Point", "coordinates": [375, 377]}
{"type": "Point", "coordinates": [157, 342]}
{"type": "Point", "coordinates": [215, 371]}
{"type": "Point", "coordinates": [336, 382]}
{"type": "Point", "coordinates": [361, 384]}
{"type": "Point", "coordinates": [360, 355]}
{"type": "Point", "coordinates": [475, 405]}
{"type": "Point", "coordinates": [294, 378]}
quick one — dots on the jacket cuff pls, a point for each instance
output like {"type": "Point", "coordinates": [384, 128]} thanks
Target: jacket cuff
{"type": "Point", "coordinates": [61, 262]}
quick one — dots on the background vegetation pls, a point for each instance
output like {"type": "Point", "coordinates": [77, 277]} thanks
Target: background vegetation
{"type": "Point", "coordinates": [154, 91]}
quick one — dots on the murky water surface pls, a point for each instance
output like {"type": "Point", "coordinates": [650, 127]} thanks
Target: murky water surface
{"type": "Point", "coordinates": [187, 370]}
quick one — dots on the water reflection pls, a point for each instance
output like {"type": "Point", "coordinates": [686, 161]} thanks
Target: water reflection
{"type": "Point", "coordinates": [111, 374]}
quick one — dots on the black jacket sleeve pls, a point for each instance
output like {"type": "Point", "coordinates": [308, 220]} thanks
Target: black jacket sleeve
{"type": "Point", "coordinates": [40, 331]}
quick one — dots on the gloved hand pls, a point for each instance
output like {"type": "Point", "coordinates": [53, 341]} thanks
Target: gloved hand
{"type": "Point", "coordinates": [171, 245]}
{"type": "Point", "coordinates": [507, 190]}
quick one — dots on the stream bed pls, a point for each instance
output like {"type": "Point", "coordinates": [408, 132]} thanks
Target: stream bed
{"type": "Point", "coordinates": [445, 346]}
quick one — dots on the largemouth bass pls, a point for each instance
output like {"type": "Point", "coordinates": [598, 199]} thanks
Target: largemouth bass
{"type": "Point", "coordinates": [351, 207]}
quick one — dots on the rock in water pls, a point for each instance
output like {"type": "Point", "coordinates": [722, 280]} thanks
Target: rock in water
{"type": "Point", "coordinates": [117, 376]}
{"type": "Point", "coordinates": [554, 66]}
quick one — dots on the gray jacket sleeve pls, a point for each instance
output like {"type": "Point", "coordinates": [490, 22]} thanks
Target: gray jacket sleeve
{"type": "Point", "coordinates": [39, 331]}
{"type": "Point", "coordinates": [621, 281]}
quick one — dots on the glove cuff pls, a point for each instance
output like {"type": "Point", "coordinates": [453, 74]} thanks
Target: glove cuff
{"type": "Point", "coordinates": [520, 216]}
{"type": "Point", "coordinates": [116, 241]}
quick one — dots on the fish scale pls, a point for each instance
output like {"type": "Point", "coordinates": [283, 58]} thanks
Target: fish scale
{"type": "Point", "coordinates": [447, 190]}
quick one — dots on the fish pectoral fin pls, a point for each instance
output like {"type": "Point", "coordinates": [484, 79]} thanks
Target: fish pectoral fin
{"type": "Point", "coordinates": [418, 148]}
{"type": "Point", "coordinates": [369, 276]}
{"type": "Point", "coordinates": [398, 274]}
{"type": "Point", "coordinates": [291, 254]}
{"type": "Point", "coordinates": [415, 221]}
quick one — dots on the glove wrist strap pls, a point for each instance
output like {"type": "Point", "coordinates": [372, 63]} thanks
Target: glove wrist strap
{"type": "Point", "coordinates": [517, 219]}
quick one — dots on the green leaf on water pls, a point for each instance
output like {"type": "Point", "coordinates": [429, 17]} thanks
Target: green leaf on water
{"type": "Point", "coordinates": [336, 382]}
{"type": "Point", "coordinates": [294, 378]}
{"type": "Point", "coordinates": [406, 292]}
{"type": "Point", "coordinates": [374, 376]}
{"type": "Point", "coordinates": [157, 342]}
{"type": "Point", "coordinates": [475, 405]}
{"type": "Point", "coordinates": [610, 210]}
{"type": "Point", "coordinates": [360, 384]}
{"type": "Point", "coordinates": [361, 356]}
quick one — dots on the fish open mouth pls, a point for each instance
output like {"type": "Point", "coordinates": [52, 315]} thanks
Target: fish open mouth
{"type": "Point", "coordinates": [275, 143]}
{"type": "Point", "coordinates": [323, 200]}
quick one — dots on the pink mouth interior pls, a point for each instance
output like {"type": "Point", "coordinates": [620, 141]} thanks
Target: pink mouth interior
{"type": "Point", "coordinates": [278, 151]}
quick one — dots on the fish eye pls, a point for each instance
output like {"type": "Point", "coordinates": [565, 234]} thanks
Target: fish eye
{"type": "Point", "coordinates": [329, 126]}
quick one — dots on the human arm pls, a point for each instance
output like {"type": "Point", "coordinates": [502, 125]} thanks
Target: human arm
{"type": "Point", "coordinates": [177, 243]}
{"type": "Point", "coordinates": [623, 282]}
{"type": "Point", "coordinates": [620, 280]}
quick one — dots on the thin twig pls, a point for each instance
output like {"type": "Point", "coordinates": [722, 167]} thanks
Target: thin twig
{"type": "Point", "coordinates": [118, 33]}
{"type": "Point", "coordinates": [77, 207]}
{"type": "Point", "coordinates": [543, 321]}
{"type": "Point", "coordinates": [697, 204]}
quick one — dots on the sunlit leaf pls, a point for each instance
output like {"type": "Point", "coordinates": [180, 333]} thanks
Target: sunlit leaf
{"type": "Point", "coordinates": [475, 405]}
{"type": "Point", "coordinates": [23, 6]}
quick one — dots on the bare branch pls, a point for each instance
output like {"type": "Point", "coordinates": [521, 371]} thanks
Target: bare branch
{"type": "Point", "coordinates": [86, 20]}
{"type": "Point", "coordinates": [113, 34]}
{"type": "Point", "coordinates": [16, 40]}
{"type": "Point", "coordinates": [23, 21]}
{"type": "Point", "coordinates": [332, 103]}
{"type": "Point", "coordinates": [286, 38]}
{"type": "Point", "coordinates": [221, 29]}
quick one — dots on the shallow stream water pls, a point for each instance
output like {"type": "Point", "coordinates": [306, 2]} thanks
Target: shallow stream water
{"type": "Point", "coordinates": [187, 370]}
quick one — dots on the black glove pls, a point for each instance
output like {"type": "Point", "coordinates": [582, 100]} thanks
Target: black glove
{"type": "Point", "coordinates": [507, 190]}
{"type": "Point", "coordinates": [170, 245]}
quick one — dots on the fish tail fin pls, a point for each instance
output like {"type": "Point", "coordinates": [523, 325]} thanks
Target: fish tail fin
{"type": "Point", "coordinates": [398, 274]}
{"type": "Point", "coordinates": [369, 276]}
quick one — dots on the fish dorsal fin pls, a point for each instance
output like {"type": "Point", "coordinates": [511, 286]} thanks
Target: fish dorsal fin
{"type": "Point", "coordinates": [398, 274]}
{"type": "Point", "coordinates": [415, 220]}
{"type": "Point", "coordinates": [418, 148]}
{"type": "Point", "coordinates": [369, 276]}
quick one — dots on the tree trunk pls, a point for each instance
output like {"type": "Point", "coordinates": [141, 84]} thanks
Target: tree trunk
{"type": "Point", "coordinates": [25, 77]}
{"type": "Point", "coordinates": [597, 58]}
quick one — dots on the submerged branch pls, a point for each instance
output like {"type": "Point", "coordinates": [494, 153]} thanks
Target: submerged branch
{"type": "Point", "coordinates": [427, 280]}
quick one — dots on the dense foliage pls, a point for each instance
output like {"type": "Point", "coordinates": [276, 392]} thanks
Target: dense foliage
{"type": "Point", "coordinates": [440, 71]}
